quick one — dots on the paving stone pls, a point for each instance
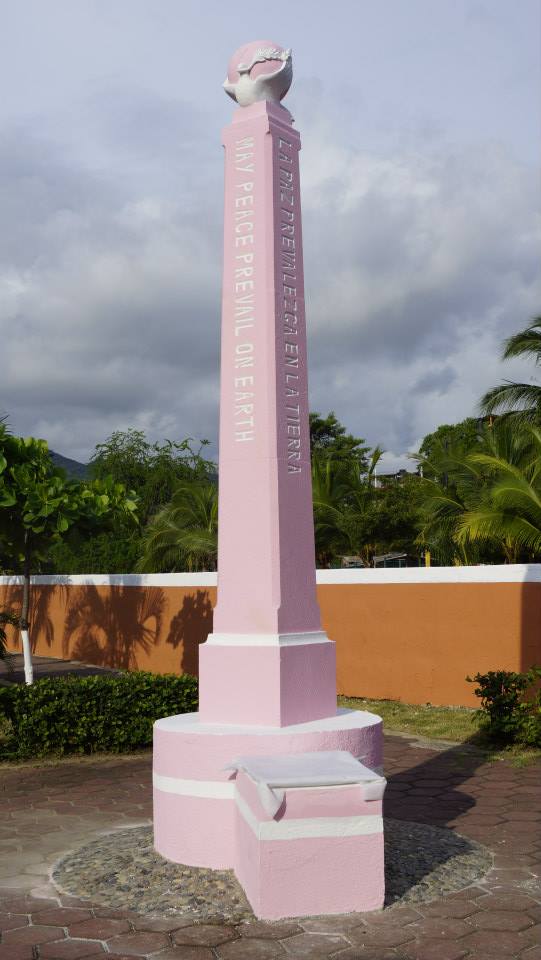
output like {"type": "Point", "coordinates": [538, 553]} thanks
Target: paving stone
{"type": "Point", "coordinates": [314, 946]}
{"type": "Point", "coordinates": [457, 909]}
{"type": "Point", "coordinates": [160, 924]}
{"type": "Point", "coordinates": [138, 944]}
{"type": "Point", "coordinates": [439, 950]}
{"type": "Point", "coordinates": [182, 953]}
{"type": "Point", "coordinates": [251, 948]}
{"type": "Point", "coordinates": [113, 914]}
{"type": "Point", "coordinates": [70, 949]}
{"type": "Point", "coordinates": [273, 930]}
{"type": "Point", "coordinates": [512, 901]}
{"type": "Point", "coordinates": [33, 934]}
{"type": "Point", "coordinates": [68, 901]}
{"type": "Point", "coordinates": [533, 954]}
{"type": "Point", "coordinates": [368, 953]}
{"type": "Point", "coordinates": [533, 934]}
{"type": "Point", "coordinates": [500, 920]}
{"type": "Point", "coordinates": [204, 935]}
{"type": "Point", "coordinates": [62, 916]}
{"type": "Point", "coordinates": [500, 943]}
{"type": "Point", "coordinates": [440, 928]}
{"type": "Point", "coordinates": [11, 951]}
{"type": "Point", "coordinates": [99, 928]}
{"type": "Point", "coordinates": [392, 915]}
{"type": "Point", "coordinates": [11, 921]}
{"type": "Point", "coordinates": [28, 905]}
{"type": "Point", "coordinates": [382, 936]}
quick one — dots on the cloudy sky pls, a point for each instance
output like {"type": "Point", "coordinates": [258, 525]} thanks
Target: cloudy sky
{"type": "Point", "coordinates": [421, 206]}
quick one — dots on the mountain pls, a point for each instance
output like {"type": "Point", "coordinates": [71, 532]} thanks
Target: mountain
{"type": "Point", "coordinates": [74, 469]}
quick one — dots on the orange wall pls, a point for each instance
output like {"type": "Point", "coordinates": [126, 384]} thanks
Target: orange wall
{"type": "Point", "coordinates": [414, 642]}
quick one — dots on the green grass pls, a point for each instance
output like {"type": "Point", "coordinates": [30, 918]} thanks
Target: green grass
{"type": "Point", "coordinates": [454, 724]}
{"type": "Point", "coordinates": [438, 723]}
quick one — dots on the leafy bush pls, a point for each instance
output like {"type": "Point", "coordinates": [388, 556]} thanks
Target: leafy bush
{"type": "Point", "coordinates": [509, 712]}
{"type": "Point", "coordinates": [88, 714]}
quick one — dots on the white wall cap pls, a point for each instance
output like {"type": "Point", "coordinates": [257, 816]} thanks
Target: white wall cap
{"type": "Point", "coordinates": [491, 573]}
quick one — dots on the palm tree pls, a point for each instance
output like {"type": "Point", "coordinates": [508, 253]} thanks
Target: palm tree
{"type": "Point", "coordinates": [485, 503]}
{"type": "Point", "coordinates": [450, 485]}
{"type": "Point", "coordinates": [522, 401]}
{"type": "Point", "coordinates": [509, 513]}
{"type": "Point", "coordinates": [342, 496]}
{"type": "Point", "coordinates": [184, 534]}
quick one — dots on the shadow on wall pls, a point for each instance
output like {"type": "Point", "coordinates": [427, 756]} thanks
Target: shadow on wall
{"type": "Point", "coordinates": [110, 627]}
{"type": "Point", "coordinates": [41, 620]}
{"type": "Point", "coordinates": [190, 627]}
{"type": "Point", "coordinates": [530, 622]}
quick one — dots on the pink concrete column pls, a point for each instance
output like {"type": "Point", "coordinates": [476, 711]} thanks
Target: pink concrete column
{"type": "Point", "coordinates": [268, 661]}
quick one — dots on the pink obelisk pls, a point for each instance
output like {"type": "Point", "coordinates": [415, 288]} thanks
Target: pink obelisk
{"type": "Point", "coordinates": [267, 684]}
{"type": "Point", "coordinates": [267, 638]}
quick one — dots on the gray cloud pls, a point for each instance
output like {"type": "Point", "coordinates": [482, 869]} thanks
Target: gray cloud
{"type": "Point", "coordinates": [418, 261]}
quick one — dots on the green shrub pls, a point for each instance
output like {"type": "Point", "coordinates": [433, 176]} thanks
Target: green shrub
{"type": "Point", "coordinates": [88, 714]}
{"type": "Point", "coordinates": [510, 712]}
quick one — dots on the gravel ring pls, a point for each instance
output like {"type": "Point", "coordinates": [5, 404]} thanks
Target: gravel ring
{"type": "Point", "coordinates": [123, 871]}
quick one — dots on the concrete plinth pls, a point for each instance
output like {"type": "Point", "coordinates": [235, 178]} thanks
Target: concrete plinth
{"type": "Point", "coordinates": [272, 680]}
{"type": "Point", "coordinates": [194, 807]}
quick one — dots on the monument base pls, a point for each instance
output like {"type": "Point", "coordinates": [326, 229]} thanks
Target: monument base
{"type": "Point", "coordinates": [194, 796]}
{"type": "Point", "coordinates": [280, 679]}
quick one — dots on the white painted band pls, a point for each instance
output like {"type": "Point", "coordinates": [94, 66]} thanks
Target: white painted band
{"type": "Point", "coordinates": [208, 789]}
{"type": "Point", "coordinates": [266, 639]}
{"type": "Point", "coordinates": [493, 573]}
{"type": "Point", "coordinates": [312, 828]}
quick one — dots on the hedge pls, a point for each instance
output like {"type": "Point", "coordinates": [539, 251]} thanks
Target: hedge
{"type": "Point", "coordinates": [88, 714]}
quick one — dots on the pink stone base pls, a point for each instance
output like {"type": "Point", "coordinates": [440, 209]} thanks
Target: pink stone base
{"type": "Point", "coordinates": [280, 880]}
{"type": "Point", "coordinates": [194, 806]}
{"type": "Point", "coordinates": [269, 685]}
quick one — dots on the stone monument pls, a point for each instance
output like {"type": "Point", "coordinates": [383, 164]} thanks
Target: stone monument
{"type": "Point", "coordinates": [267, 672]}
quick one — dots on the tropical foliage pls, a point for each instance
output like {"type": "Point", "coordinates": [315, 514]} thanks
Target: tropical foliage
{"type": "Point", "coordinates": [521, 401]}
{"type": "Point", "coordinates": [184, 534]}
{"type": "Point", "coordinates": [39, 506]}
{"type": "Point", "coordinates": [484, 504]}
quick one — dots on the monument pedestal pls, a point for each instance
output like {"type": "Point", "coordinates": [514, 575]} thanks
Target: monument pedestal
{"type": "Point", "coordinates": [272, 680]}
{"type": "Point", "coordinates": [267, 682]}
{"type": "Point", "coordinates": [194, 796]}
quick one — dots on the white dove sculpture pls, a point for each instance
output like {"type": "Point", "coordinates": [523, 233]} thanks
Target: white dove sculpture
{"type": "Point", "coordinates": [265, 86]}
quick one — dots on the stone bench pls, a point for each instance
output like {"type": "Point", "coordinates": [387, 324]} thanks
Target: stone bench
{"type": "Point", "coordinates": [306, 846]}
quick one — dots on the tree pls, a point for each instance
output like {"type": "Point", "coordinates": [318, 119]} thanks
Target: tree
{"type": "Point", "coordinates": [328, 438]}
{"type": "Point", "coordinates": [509, 512]}
{"type": "Point", "coordinates": [459, 437]}
{"type": "Point", "coordinates": [352, 516]}
{"type": "Point", "coordinates": [521, 401]}
{"type": "Point", "coordinates": [153, 470]}
{"type": "Point", "coordinates": [488, 506]}
{"type": "Point", "coordinates": [184, 534]}
{"type": "Point", "coordinates": [39, 506]}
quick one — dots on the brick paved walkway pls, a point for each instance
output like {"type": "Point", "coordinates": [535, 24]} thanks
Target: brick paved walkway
{"type": "Point", "coordinates": [48, 810]}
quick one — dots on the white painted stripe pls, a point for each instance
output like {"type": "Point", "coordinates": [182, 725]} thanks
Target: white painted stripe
{"type": "Point", "coordinates": [266, 639]}
{"type": "Point", "coordinates": [209, 789]}
{"type": "Point", "coordinates": [495, 573]}
{"type": "Point", "coordinates": [312, 828]}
